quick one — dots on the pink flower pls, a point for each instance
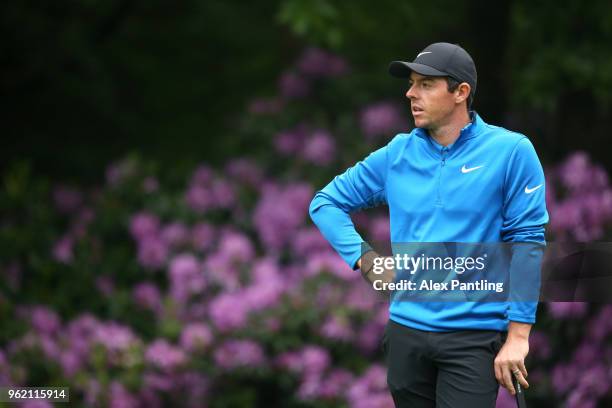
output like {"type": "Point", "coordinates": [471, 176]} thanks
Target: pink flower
{"type": "Point", "coordinates": [587, 204]}
{"type": "Point", "coordinates": [143, 225]}
{"type": "Point", "coordinates": [33, 403]}
{"type": "Point", "coordinates": [228, 312]}
{"type": "Point", "coordinates": [265, 270]}
{"type": "Point", "coordinates": [601, 325]}
{"type": "Point", "coordinates": [114, 336]}
{"type": "Point", "coordinates": [579, 398]}
{"type": "Point", "coordinates": [199, 198]}
{"type": "Point", "coordinates": [328, 261]}
{"type": "Point", "coordinates": [369, 337]}
{"type": "Point", "coordinates": [293, 86]}
{"type": "Point", "coordinates": [202, 236]}
{"type": "Point", "coordinates": [162, 382]}
{"type": "Point", "coordinates": [315, 359]}
{"type": "Point", "coordinates": [44, 320]}
{"type": "Point", "coordinates": [49, 347]}
{"type": "Point", "coordinates": [147, 296]}
{"type": "Point", "coordinates": [567, 309]}
{"type": "Point", "coordinates": [307, 241]}
{"type": "Point", "coordinates": [595, 380]}
{"type": "Point", "coordinates": [174, 234]}
{"type": "Point", "coordinates": [539, 345]}
{"type": "Point", "coordinates": [83, 327]}
{"type": "Point", "coordinates": [309, 387]}
{"type": "Point", "coordinates": [290, 360]}
{"type": "Point", "coordinates": [290, 141]}
{"type": "Point", "coordinates": [186, 277]}
{"type": "Point", "coordinates": [318, 62]}
{"type": "Point", "coordinates": [382, 118]}
{"type": "Point", "coordinates": [152, 252]}
{"type": "Point", "coordinates": [263, 295]}
{"type": "Point", "coordinates": [119, 397]}
{"type": "Point", "coordinates": [92, 392]}
{"type": "Point", "coordinates": [239, 353]}
{"type": "Point", "coordinates": [147, 395]}
{"type": "Point", "coordinates": [335, 384]}
{"type": "Point", "coordinates": [223, 194]}
{"type": "Point", "coordinates": [236, 246]}
{"type": "Point", "coordinates": [312, 360]}
{"type": "Point", "coordinates": [336, 329]}
{"type": "Point", "coordinates": [370, 390]}
{"type": "Point", "coordinates": [319, 148]}
{"type": "Point", "coordinates": [71, 362]}
{"type": "Point", "coordinates": [244, 171]}
{"type": "Point", "coordinates": [196, 336]}
{"type": "Point", "coordinates": [203, 175]}
{"type": "Point", "coordinates": [221, 270]}
{"type": "Point", "coordinates": [62, 250]}
{"type": "Point", "coordinates": [586, 354]}
{"type": "Point", "coordinates": [575, 171]}
{"type": "Point", "coordinates": [165, 356]}
{"type": "Point", "coordinates": [361, 297]}
{"type": "Point", "coordinates": [564, 377]}
{"type": "Point", "coordinates": [280, 212]}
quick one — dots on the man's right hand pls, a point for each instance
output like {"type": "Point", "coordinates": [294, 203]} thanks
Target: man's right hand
{"type": "Point", "coordinates": [366, 264]}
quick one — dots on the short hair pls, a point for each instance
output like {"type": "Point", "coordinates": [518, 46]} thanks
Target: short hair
{"type": "Point", "coordinates": [453, 84]}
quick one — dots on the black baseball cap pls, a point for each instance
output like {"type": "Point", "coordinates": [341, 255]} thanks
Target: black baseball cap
{"type": "Point", "coordinates": [439, 59]}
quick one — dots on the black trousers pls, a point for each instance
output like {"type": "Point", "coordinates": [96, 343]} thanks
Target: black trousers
{"type": "Point", "coordinates": [441, 369]}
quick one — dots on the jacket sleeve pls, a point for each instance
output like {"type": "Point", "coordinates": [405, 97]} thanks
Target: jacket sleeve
{"type": "Point", "coordinates": [361, 186]}
{"type": "Point", "coordinates": [524, 217]}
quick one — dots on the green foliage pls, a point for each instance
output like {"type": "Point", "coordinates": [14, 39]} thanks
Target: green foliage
{"type": "Point", "coordinates": [316, 20]}
{"type": "Point", "coordinates": [557, 50]}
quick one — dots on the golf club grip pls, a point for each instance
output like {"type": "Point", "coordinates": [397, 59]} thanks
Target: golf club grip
{"type": "Point", "coordinates": [520, 393]}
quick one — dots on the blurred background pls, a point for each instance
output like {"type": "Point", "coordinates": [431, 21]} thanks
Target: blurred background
{"type": "Point", "coordinates": [158, 163]}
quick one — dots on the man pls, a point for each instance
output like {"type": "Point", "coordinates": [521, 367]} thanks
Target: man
{"type": "Point", "coordinates": [452, 179]}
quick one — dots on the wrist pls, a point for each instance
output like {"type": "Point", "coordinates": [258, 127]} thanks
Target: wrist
{"type": "Point", "coordinates": [518, 331]}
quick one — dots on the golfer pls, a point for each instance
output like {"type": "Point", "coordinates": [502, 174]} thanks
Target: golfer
{"type": "Point", "coordinates": [452, 179]}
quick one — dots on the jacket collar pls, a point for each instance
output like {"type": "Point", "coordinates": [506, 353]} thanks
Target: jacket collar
{"type": "Point", "coordinates": [470, 131]}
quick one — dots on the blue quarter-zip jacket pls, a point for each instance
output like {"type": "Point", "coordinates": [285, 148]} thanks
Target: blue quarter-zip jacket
{"type": "Point", "coordinates": [488, 186]}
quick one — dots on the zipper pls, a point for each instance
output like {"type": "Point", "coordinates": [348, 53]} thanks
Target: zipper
{"type": "Point", "coordinates": [444, 152]}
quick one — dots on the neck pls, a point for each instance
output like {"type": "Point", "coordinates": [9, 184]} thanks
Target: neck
{"type": "Point", "coordinates": [448, 133]}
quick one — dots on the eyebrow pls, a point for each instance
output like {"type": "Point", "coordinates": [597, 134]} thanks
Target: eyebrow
{"type": "Point", "coordinates": [429, 79]}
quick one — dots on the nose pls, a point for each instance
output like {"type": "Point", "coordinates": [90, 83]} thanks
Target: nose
{"type": "Point", "coordinates": [410, 93]}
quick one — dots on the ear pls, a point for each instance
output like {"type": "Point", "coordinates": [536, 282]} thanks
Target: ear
{"type": "Point", "coordinates": [462, 92]}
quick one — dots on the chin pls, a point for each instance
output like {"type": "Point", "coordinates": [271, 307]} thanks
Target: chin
{"type": "Point", "coordinates": [420, 123]}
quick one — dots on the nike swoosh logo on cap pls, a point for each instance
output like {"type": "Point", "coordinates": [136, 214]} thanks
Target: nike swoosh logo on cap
{"type": "Point", "coordinates": [531, 190]}
{"type": "Point", "coordinates": [466, 170]}
{"type": "Point", "coordinates": [425, 52]}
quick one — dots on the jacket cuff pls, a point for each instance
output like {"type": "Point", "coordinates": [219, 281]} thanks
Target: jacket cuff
{"type": "Point", "coordinates": [521, 318]}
